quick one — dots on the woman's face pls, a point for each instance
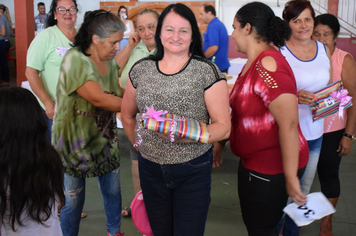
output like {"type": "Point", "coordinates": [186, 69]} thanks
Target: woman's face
{"type": "Point", "coordinates": [176, 34]}
{"type": "Point", "coordinates": [108, 47]}
{"type": "Point", "coordinates": [1, 12]}
{"type": "Point", "coordinates": [146, 28]}
{"type": "Point", "coordinates": [123, 13]}
{"type": "Point", "coordinates": [63, 16]}
{"type": "Point", "coordinates": [325, 35]}
{"type": "Point", "coordinates": [237, 35]}
{"type": "Point", "coordinates": [302, 26]}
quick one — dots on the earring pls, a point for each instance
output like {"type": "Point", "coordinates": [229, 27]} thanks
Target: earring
{"type": "Point", "coordinates": [55, 18]}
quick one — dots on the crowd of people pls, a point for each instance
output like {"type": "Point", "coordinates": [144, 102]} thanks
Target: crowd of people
{"type": "Point", "coordinates": [162, 65]}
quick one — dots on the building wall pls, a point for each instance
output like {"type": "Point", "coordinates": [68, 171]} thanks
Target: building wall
{"type": "Point", "coordinates": [135, 7]}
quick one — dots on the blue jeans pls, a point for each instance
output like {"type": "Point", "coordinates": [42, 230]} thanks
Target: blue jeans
{"type": "Point", "coordinates": [49, 124]}
{"type": "Point", "coordinates": [74, 191]}
{"type": "Point", "coordinates": [123, 43]}
{"type": "Point", "coordinates": [4, 67]}
{"type": "Point", "coordinates": [177, 197]}
{"type": "Point", "coordinates": [290, 228]}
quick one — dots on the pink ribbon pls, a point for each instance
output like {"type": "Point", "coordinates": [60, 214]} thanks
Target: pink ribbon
{"type": "Point", "coordinates": [344, 100]}
{"type": "Point", "coordinates": [152, 113]}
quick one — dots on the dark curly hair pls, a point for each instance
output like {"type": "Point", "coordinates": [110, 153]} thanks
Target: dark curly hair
{"type": "Point", "coordinates": [269, 28]}
{"type": "Point", "coordinates": [31, 171]}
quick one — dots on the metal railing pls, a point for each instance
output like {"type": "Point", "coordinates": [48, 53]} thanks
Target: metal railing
{"type": "Point", "coordinates": [346, 13]}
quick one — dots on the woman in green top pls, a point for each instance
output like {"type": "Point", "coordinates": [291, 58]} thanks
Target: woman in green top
{"type": "Point", "coordinates": [84, 127]}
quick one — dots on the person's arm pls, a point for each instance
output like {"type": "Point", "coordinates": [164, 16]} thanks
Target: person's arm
{"type": "Point", "coordinates": [129, 111]}
{"type": "Point", "coordinates": [3, 30]}
{"type": "Point", "coordinates": [92, 92]}
{"type": "Point", "coordinates": [217, 102]}
{"type": "Point", "coordinates": [218, 151]}
{"type": "Point", "coordinates": [123, 56]}
{"type": "Point", "coordinates": [284, 109]}
{"type": "Point", "coordinates": [349, 80]}
{"type": "Point", "coordinates": [331, 66]}
{"type": "Point", "coordinates": [35, 81]}
{"type": "Point", "coordinates": [211, 51]}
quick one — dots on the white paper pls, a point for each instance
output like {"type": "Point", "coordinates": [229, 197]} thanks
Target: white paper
{"type": "Point", "coordinates": [317, 207]}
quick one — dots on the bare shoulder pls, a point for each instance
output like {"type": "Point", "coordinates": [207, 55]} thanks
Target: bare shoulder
{"type": "Point", "coordinates": [269, 63]}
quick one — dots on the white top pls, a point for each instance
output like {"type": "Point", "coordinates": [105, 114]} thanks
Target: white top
{"type": "Point", "coordinates": [128, 29]}
{"type": "Point", "coordinates": [52, 226]}
{"type": "Point", "coordinates": [310, 76]}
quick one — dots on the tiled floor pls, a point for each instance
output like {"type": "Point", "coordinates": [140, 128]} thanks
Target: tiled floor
{"type": "Point", "coordinates": [224, 217]}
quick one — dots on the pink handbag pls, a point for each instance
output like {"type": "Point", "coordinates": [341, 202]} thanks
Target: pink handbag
{"type": "Point", "coordinates": [139, 215]}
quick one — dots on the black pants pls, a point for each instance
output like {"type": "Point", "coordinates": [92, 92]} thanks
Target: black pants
{"type": "Point", "coordinates": [329, 164]}
{"type": "Point", "coordinates": [262, 199]}
{"type": "Point", "coordinates": [4, 47]}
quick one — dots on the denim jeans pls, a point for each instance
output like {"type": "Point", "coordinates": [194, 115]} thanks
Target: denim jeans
{"type": "Point", "coordinates": [289, 227]}
{"type": "Point", "coordinates": [74, 191]}
{"type": "Point", "coordinates": [4, 67]}
{"type": "Point", "coordinates": [49, 124]}
{"type": "Point", "coordinates": [177, 197]}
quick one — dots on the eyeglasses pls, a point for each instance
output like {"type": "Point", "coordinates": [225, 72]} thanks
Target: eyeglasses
{"type": "Point", "coordinates": [63, 10]}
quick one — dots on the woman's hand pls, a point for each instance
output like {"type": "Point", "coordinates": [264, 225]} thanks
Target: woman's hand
{"type": "Point", "coordinates": [345, 146]}
{"type": "Point", "coordinates": [49, 108]}
{"type": "Point", "coordinates": [305, 97]}
{"type": "Point", "coordinates": [176, 138]}
{"type": "Point", "coordinates": [294, 191]}
{"type": "Point", "coordinates": [218, 152]}
{"type": "Point", "coordinates": [134, 39]}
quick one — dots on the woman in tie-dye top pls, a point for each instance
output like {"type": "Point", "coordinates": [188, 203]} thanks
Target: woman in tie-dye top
{"type": "Point", "coordinates": [265, 133]}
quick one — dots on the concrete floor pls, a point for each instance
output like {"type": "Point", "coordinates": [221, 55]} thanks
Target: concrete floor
{"type": "Point", "coordinates": [224, 217]}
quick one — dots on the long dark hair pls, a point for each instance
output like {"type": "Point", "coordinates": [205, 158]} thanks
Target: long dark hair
{"type": "Point", "coordinates": [269, 28]}
{"type": "Point", "coordinates": [50, 20]}
{"type": "Point", "coordinates": [31, 171]}
{"type": "Point", "coordinates": [195, 47]}
{"type": "Point", "coordinates": [99, 22]}
{"type": "Point", "coordinates": [123, 7]}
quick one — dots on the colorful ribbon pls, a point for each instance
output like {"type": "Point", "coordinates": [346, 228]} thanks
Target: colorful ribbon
{"type": "Point", "coordinates": [344, 100]}
{"type": "Point", "coordinates": [157, 115]}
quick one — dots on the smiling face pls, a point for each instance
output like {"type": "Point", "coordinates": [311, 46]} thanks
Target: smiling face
{"type": "Point", "coordinates": [176, 34]}
{"type": "Point", "coordinates": [325, 35]}
{"type": "Point", "coordinates": [108, 47]}
{"type": "Point", "coordinates": [67, 19]}
{"type": "Point", "coordinates": [302, 26]}
{"type": "Point", "coordinates": [146, 28]}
